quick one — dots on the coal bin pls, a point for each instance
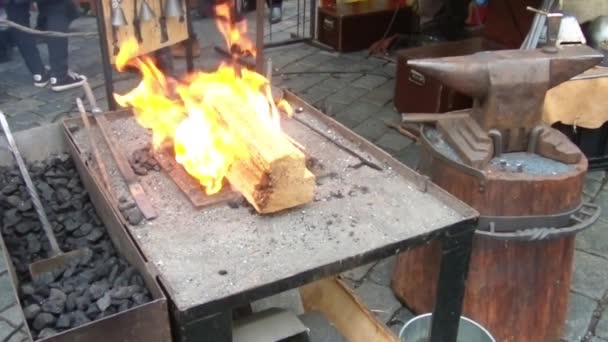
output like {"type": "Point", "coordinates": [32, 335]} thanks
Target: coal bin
{"type": "Point", "coordinates": [99, 284]}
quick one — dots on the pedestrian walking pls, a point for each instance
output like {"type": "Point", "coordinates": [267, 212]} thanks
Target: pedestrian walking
{"type": "Point", "coordinates": [57, 16]}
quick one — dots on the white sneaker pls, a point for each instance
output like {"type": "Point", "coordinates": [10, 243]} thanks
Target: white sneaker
{"type": "Point", "coordinates": [69, 81]}
{"type": "Point", "coordinates": [41, 81]}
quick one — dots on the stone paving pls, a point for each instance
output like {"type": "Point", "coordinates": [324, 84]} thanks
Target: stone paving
{"type": "Point", "coordinates": [355, 90]}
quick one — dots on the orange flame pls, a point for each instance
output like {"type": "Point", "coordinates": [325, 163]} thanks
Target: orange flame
{"type": "Point", "coordinates": [233, 33]}
{"type": "Point", "coordinates": [186, 115]}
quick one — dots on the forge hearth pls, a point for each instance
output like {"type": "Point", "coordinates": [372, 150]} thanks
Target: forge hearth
{"type": "Point", "coordinates": [209, 257]}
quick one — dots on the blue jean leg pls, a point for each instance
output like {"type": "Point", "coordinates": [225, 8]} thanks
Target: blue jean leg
{"type": "Point", "coordinates": [25, 42]}
{"type": "Point", "coordinates": [57, 20]}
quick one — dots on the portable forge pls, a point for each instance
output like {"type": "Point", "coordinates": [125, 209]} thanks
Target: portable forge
{"type": "Point", "coordinates": [217, 255]}
{"type": "Point", "coordinates": [524, 178]}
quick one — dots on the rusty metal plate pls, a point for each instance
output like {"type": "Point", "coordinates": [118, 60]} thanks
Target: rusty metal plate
{"type": "Point", "coordinates": [189, 186]}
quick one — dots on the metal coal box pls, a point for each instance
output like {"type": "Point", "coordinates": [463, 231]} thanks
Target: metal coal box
{"type": "Point", "coordinates": [145, 322]}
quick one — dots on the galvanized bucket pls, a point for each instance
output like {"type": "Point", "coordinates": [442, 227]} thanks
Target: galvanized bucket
{"type": "Point", "coordinates": [418, 329]}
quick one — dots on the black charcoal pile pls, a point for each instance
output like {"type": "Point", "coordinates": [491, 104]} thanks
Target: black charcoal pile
{"type": "Point", "coordinates": [142, 161]}
{"type": "Point", "coordinates": [98, 284]}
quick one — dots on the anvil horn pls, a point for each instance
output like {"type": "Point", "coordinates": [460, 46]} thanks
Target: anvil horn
{"type": "Point", "coordinates": [457, 73]}
{"type": "Point", "coordinates": [567, 66]}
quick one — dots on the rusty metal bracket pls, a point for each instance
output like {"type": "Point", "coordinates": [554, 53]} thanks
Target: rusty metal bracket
{"type": "Point", "coordinates": [496, 137]}
{"type": "Point", "coordinates": [481, 177]}
{"type": "Point", "coordinates": [534, 136]}
{"type": "Point", "coordinates": [534, 228]}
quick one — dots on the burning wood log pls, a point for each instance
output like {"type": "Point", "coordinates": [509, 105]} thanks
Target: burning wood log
{"type": "Point", "coordinates": [274, 177]}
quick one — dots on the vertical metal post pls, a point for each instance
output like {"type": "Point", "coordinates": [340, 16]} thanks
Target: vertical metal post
{"type": "Point", "coordinates": [259, 34]}
{"type": "Point", "coordinates": [456, 247]}
{"type": "Point", "coordinates": [313, 18]}
{"type": "Point", "coordinates": [189, 42]}
{"type": "Point", "coordinates": [105, 56]}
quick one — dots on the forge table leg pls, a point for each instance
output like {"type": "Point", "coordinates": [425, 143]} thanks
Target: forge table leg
{"type": "Point", "coordinates": [456, 252]}
{"type": "Point", "coordinates": [213, 328]}
{"type": "Point", "coordinates": [105, 56]}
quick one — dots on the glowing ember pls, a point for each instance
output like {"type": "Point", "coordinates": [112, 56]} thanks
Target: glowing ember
{"type": "Point", "coordinates": [185, 115]}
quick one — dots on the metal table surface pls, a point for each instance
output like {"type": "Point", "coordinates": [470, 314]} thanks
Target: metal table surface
{"type": "Point", "coordinates": [214, 259]}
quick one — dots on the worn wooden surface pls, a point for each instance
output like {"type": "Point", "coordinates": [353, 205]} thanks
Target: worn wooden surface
{"type": "Point", "coordinates": [151, 30]}
{"type": "Point", "coordinates": [513, 195]}
{"type": "Point", "coordinates": [517, 290]}
{"type": "Point", "coordinates": [273, 176]}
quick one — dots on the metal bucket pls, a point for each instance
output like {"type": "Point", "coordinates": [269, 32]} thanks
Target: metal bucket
{"type": "Point", "coordinates": [418, 329]}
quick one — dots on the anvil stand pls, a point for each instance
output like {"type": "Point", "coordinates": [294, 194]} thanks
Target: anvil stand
{"type": "Point", "coordinates": [523, 177]}
{"type": "Point", "coordinates": [105, 53]}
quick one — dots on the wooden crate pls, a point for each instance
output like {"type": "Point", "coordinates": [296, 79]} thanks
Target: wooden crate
{"type": "Point", "coordinates": [355, 26]}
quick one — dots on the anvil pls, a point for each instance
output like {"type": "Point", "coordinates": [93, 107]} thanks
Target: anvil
{"type": "Point", "coordinates": [508, 88]}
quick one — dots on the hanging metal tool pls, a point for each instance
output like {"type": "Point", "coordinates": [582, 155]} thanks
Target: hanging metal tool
{"type": "Point", "coordinates": [146, 13]}
{"type": "Point", "coordinates": [164, 36]}
{"type": "Point", "coordinates": [136, 23]}
{"type": "Point", "coordinates": [118, 19]}
{"type": "Point", "coordinates": [531, 41]}
{"type": "Point", "coordinates": [175, 10]}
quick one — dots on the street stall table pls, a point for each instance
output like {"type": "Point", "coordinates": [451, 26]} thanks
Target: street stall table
{"type": "Point", "coordinates": [214, 259]}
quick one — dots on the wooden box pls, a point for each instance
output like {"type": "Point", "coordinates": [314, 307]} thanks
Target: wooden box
{"type": "Point", "coordinates": [355, 26]}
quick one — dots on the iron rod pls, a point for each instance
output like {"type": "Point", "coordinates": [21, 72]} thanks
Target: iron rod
{"type": "Point", "coordinates": [298, 16]}
{"type": "Point", "coordinates": [88, 92]}
{"type": "Point", "coordinates": [259, 33]}
{"type": "Point", "coordinates": [29, 185]}
{"type": "Point", "coordinates": [456, 246]}
{"type": "Point", "coordinates": [105, 56]}
{"type": "Point", "coordinates": [189, 42]}
{"type": "Point", "coordinates": [313, 17]}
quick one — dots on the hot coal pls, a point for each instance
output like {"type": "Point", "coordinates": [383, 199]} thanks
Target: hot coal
{"type": "Point", "coordinates": [142, 161]}
{"type": "Point", "coordinates": [99, 284]}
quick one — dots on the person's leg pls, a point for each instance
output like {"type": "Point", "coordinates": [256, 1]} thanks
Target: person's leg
{"type": "Point", "coordinates": [26, 43]}
{"type": "Point", "coordinates": [58, 18]}
{"type": "Point", "coordinates": [5, 47]}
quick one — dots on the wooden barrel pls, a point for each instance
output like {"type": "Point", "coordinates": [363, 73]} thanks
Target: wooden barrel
{"type": "Point", "coordinates": [516, 289]}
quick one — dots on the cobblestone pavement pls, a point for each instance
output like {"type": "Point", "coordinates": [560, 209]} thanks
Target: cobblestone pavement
{"type": "Point", "coordinates": [353, 89]}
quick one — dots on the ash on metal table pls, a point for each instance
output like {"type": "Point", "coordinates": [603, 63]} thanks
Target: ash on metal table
{"type": "Point", "coordinates": [216, 259]}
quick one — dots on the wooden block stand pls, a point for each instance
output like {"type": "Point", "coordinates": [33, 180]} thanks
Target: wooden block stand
{"type": "Point", "coordinates": [518, 290]}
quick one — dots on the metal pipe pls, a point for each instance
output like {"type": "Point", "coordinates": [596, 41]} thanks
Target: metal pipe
{"type": "Point", "coordinates": [269, 70]}
{"type": "Point", "coordinates": [313, 17]}
{"type": "Point", "coordinates": [105, 56]}
{"type": "Point", "coordinates": [259, 33]}
{"type": "Point", "coordinates": [298, 16]}
{"type": "Point", "coordinates": [88, 92]}
{"type": "Point", "coordinates": [189, 42]}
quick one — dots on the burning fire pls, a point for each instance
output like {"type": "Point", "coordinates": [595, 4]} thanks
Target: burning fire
{"type": "Point", "coordinates": [186, 115]}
